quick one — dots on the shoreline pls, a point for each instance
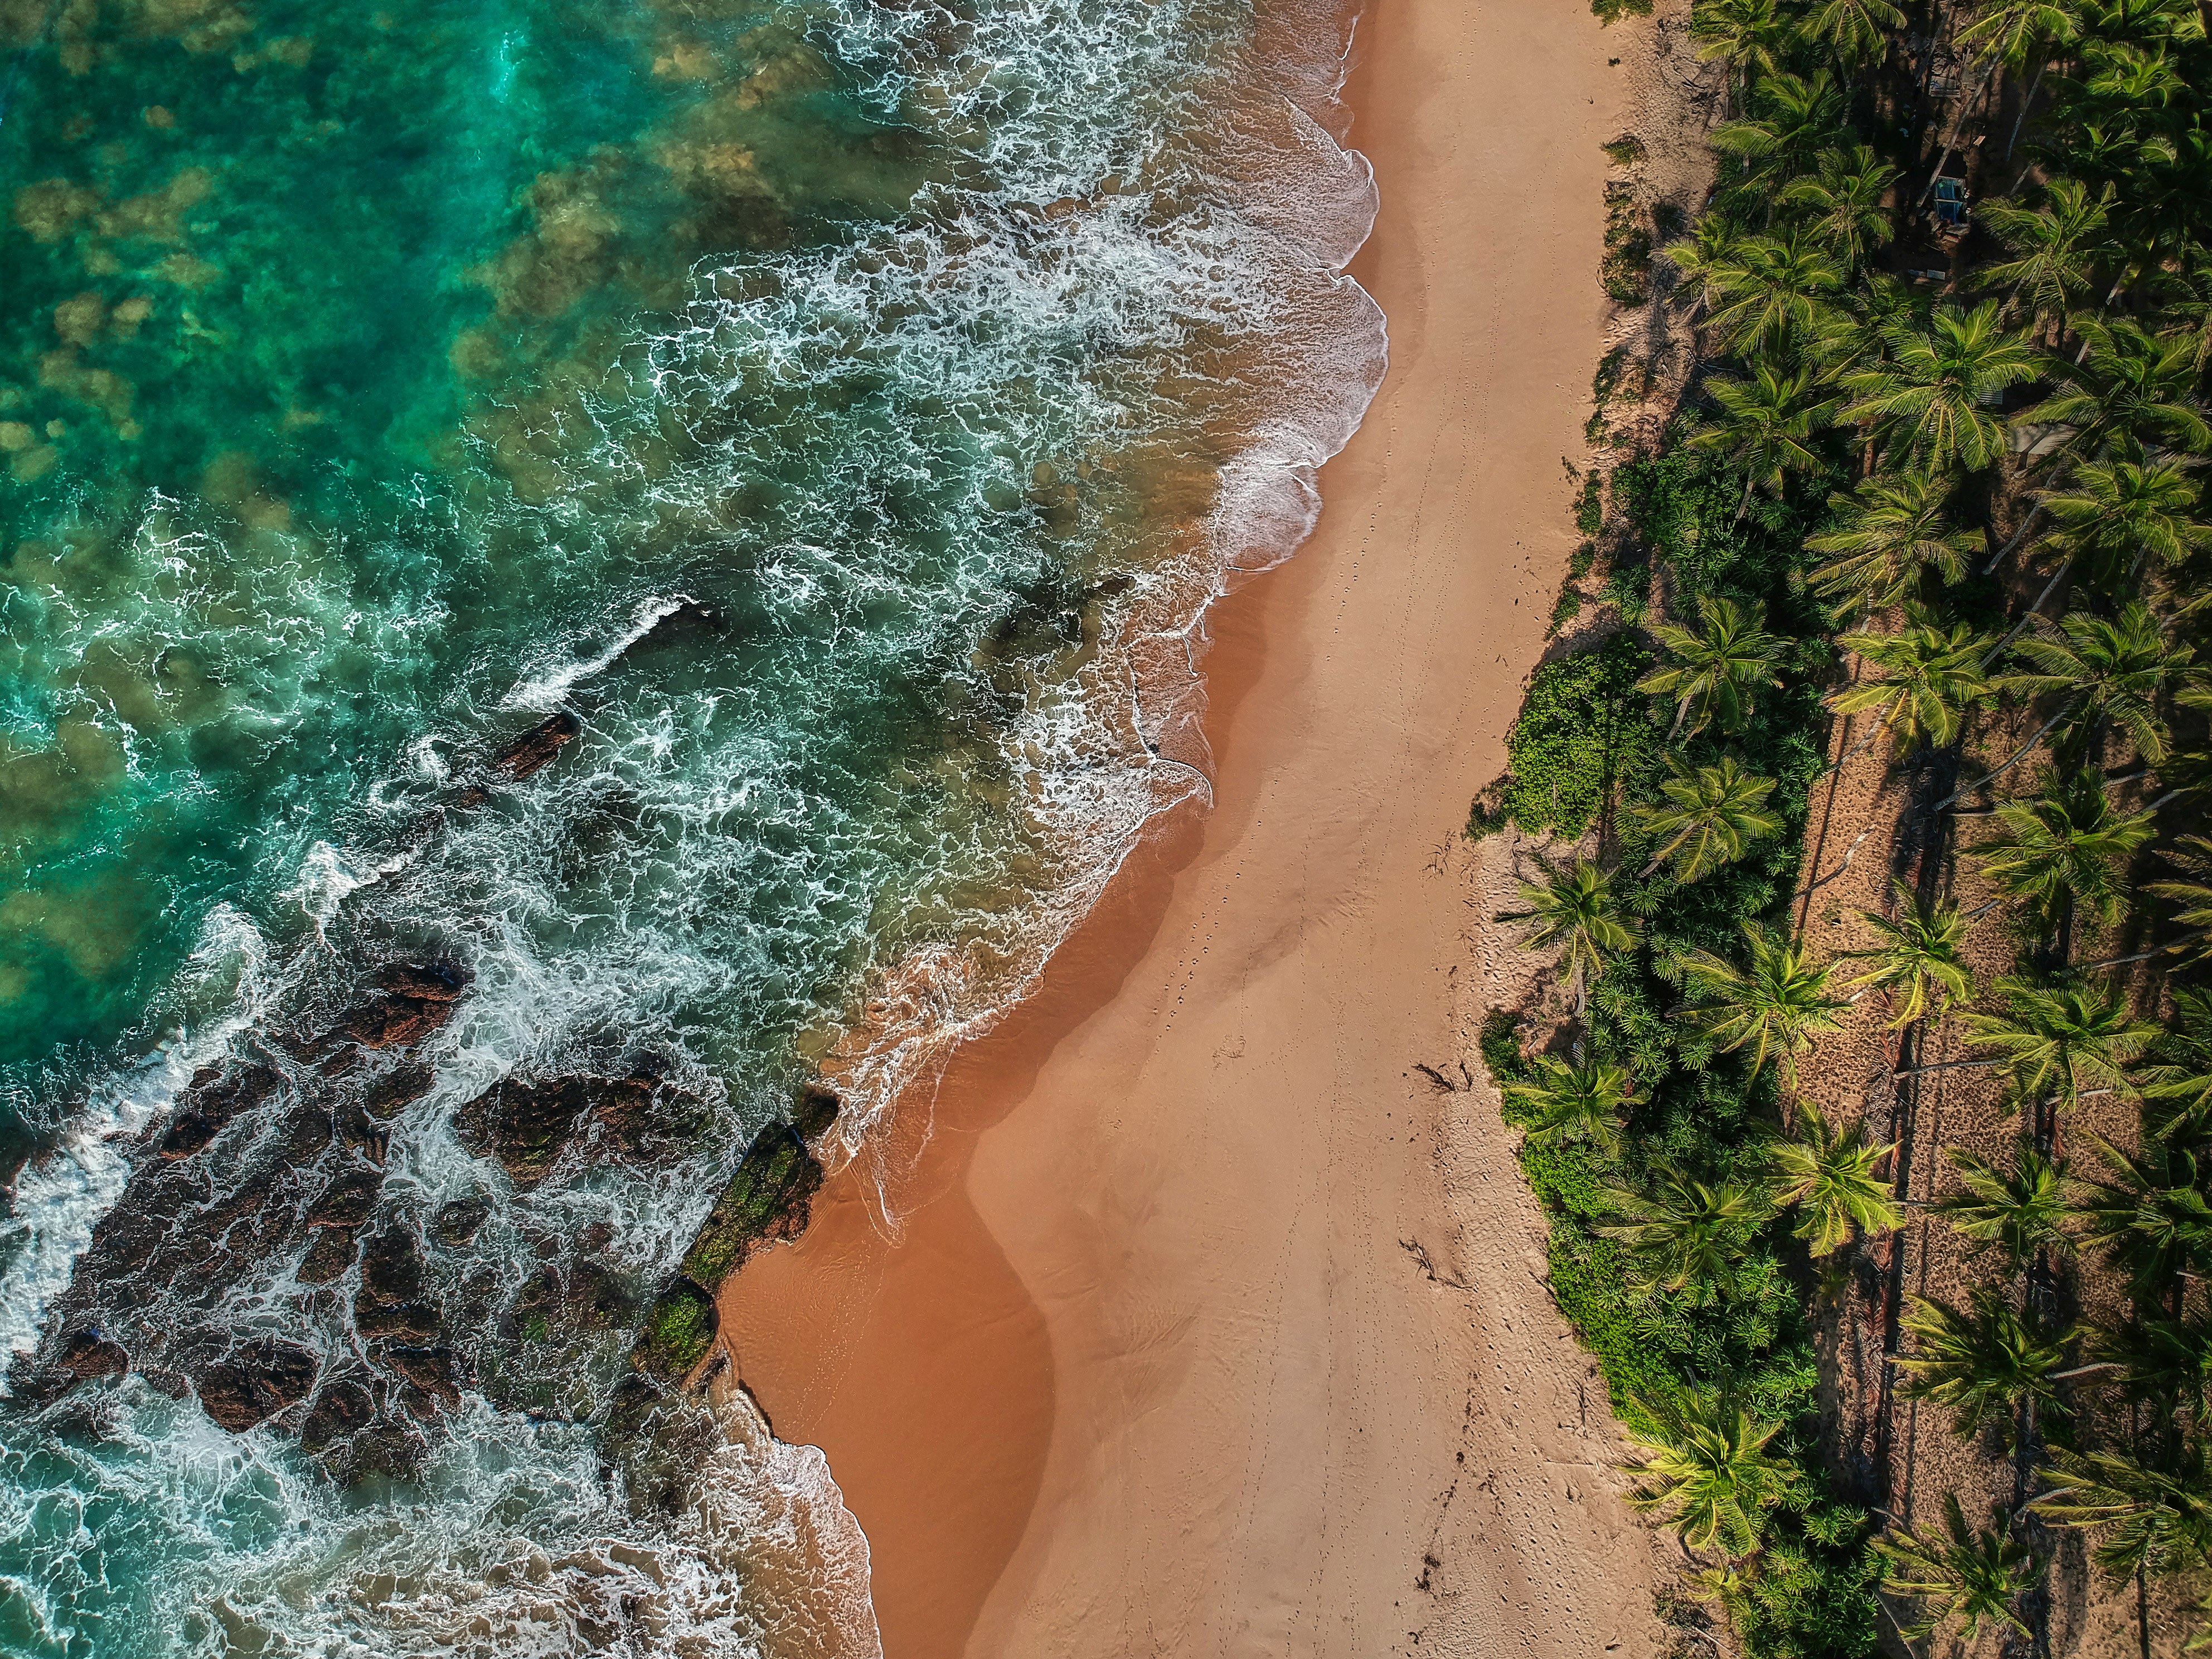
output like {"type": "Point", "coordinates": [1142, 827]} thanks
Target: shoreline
{"type": "Point", "coordinates": [1156, 1359]}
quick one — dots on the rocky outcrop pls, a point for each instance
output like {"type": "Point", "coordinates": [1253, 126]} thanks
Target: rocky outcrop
{"type": "Point", "coordinates": [768, 1197]}
{"type": "Point", "coordinates": [254, 1382]}
{"type": "Point", "coordinates": [535, 750]}
{"type": "Point", "coordinates": [526, 1125]}
{"type": "Point", "coordinates": [215, 1096]}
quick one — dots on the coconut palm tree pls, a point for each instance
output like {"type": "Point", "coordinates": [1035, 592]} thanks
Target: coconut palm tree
{"type": "Point", "coordinates": [2065, 849]}
{"type": "Point", "coordinates": [2163, 1363]}
{"type": "Point", "coordinates": [1574, 910]}
{"type": "Point", "coordinates": [1775, 1006]}
{"type": "Point", "coordinates": [1746, 35]}
{"type": "Point", "coordinates": [1926, 679]}
{"type": "Point", "coordinates": [1706, 255]}
{"type": "Point", "coordinates": [2155, 1516]}
{"type": "Point", "coordinates": [2023, 1213]}
{"type": "Point", "coordinates": [1796, 117]}
{"type": "Point", "coordinates": [2133, 390]}
{"type": "Point", "coordinates": [1765, 426]}
{"type": "Point", "coordinates": [2056, 247]}
{"type": "Point", "coordinates": [1711, 816]}
{"type": "Point", "coordinates": [1828, 1173]}
{"type": "Point", "coordinates": [1915, 960]}
{"type": "Point", "coordinates": [2110, 670]}
{"type": "Point", "coordinates": [2193, 897]}
{"type": "Point", "coordinates": [1684, 1236]}
{"type": "Point", "coordinates": [1931, 397]}
{"type": "Point", "coordinates": [1976, 1578]}
{"type": "Point", "coordinates": [1890, 535]}
{"type": "Point", "coordinates": [1987, 1359]}
{"type": "Point", "coordinates": [2059, 1038]}
{"type": "Point", "coordinates": [1574, 1100]}
{"type": "Point", "coordinates": [1774, 290]}
{"type": "Point", "coordinates": [1842, 200]}
{"type": "Point", "coordinates": [1704, 1470]}
{"type": "Point", "coordinates": [2113, 515]}
{"type": "Point", "coordinates": [2176, 1084]}
{"type": "Point", "coordinates": [1719, 667]}
{"type": "Point", "coordinates": [2151, 1220]}
{"type": "Point", "coordinates": [1856, 31]}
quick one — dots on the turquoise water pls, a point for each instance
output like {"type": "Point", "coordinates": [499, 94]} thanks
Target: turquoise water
{"type": "Point", "coordinates": [373, 381]}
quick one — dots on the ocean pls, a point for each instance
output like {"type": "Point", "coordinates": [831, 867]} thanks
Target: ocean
{"type": "Point", "coordinates": [576, 577]}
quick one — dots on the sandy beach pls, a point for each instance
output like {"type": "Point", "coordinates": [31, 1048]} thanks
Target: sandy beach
{"type": "Point", "coordinates": [1215, 1325]}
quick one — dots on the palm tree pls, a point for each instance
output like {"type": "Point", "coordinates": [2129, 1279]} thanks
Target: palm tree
{"type": "Point", "coordinates": [1842, 200]}
{"type": "Point", "coordinates": [1719, 667]}
{"type": "Point", "coordinates": [1797, 116]}
{"type": "Point", "coordinates": [2157, 1516]}
{"type": "Point", "coordinates": [1765, 428]}
{"type": "Point", "coordinates": [1745, 34]}
{"type": "Point", "coordinates": [1927, 680]}
{"type": "Point", "coordinates": [1915, 961]}
{"type": "Point", "coordinates": [2177, 1086]}
{"type": "Point", "coordinates": [2152, 1220]}
{"type": "Point", "coordinates": [2133, 389]}
{"type": "Point", "coordinates": [2164, 1363]}
{"type": "Point", "coordinates": [2055, 246]}
{"type": "Point", "coordinates": [1829, 1172]}
{"type": "Point", "coordinates": [1684, 1236]}
{"type": "Point", "coordinates": [1774, 291]}
{"type": "Point", "coordinates": [1577, 1100]}
{"type": "Point", "coordinates": [1855, 30]}
{"type": "Point", "coordinates": [2065, 849]}
{"type": "Point", "coordinates": [2111, 515]}
{"type": "Point", "coordinates": [2058, 1039]}
{"type": "Point", "coordinates": [1706, 255]}
{"type": "Point", "coordinates": [1575, 910]}
{"type": "Point", "coordinates": [1931, 397]}
{"type": "Point", "coordinates": [1987, 1359]}
{"type": "Point", "coordinates": [1711, 816]}
{"type": "Point", "coordinates": [2024, 1214]}
{"type": "Point", "coordinates": [2113, 670]}
{"type": "Point", "coordinates": [1976, 1578]}
{"type": "Point", "coordinates": [1705, 1471]}
{"type": "Point", "coordinates": [2193, 897]}
{"type": "Point", "coordinates": [1775, 1006]}
{"type": "Point", "coordinates": [1890, 534]}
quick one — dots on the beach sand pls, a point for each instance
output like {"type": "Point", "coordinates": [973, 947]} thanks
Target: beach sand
{"type": "Point", "coordinates": [1215, 1325]}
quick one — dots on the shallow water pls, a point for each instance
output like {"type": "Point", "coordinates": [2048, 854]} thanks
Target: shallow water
{"type": "Point", "coordinates": [375, 382]}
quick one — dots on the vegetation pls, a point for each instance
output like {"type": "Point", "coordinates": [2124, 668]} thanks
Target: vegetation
{"type": "Point", "coordinates": [1940, 473]}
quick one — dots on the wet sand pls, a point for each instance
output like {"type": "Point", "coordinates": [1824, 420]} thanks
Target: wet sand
{"type": "Point", "coordinates": [1213, 1324]}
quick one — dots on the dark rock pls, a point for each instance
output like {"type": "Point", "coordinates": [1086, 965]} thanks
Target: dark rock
{"type": "Point", "coordinates": [328, 1257]}
{"type": "Point", "coordinates": [341, 1408]}
{"type": "Point", "coordinates": [817, 1110]}
{"type": "Point", "coordinates": [346, 1202]}
{"type": "Point", "coordinates": [662, 1440]}
{"type": "Point", "coordinates": [524, 1126]}
{"type": "Point", "coordinates": [426, 981]}
{"type": "Point", "coordinates": [678, 1332]}
{"type": "Point", "coordinates": [533, 751]}
{"type": "Point", "coordinates": [389, 1301]}
{"type": "Point", "coordinates": [87, 1356]}
{"type": "Point", "coordinates": [430, 1370]}
{"type": "Point", "coordinates": [256, 1383]}
{"type": "Point", "coordinates": [388, 1021]}
{"type": "Point", "coordinates": [396, 1091]}
{"type": "Point", "coordinates": [215, 1096]}
{"type": "Point", "coordinates": [768, 1198]}
{"type": "Point", "coordinates": [307, 1133]}
{"type": "Point", "coordinates": [456, 1225]}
